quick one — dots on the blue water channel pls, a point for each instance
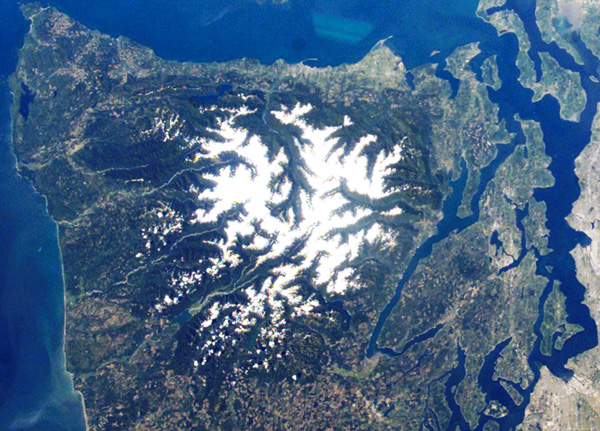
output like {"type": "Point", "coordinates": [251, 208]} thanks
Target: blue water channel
{"type": "Point", "coordinates": [564, 141]}
{"type": "Point", "coordinates": [36, 393]}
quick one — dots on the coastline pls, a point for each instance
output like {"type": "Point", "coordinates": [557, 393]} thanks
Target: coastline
{"type": "Point", "coordinates": [60, 402]}
{"type": "Point", "coordinates": [488, 177]}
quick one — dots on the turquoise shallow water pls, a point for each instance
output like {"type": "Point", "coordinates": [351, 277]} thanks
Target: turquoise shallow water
{"type": "Point", "coordinates": [332, 31]}
{"type": "Point", "coordinates": [36, 393]}
{"type": "Point", "coordinates": [35, 389]}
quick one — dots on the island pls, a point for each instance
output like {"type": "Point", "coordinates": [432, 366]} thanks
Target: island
{"type": "Point", "coordinates": [275, 247]}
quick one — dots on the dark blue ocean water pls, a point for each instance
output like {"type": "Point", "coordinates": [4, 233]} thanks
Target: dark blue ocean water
{"type": "Point", "coordinates": [564, 141]}
{"type": "Point", "coordinates": [33, 385]}
{"type": "Point", "coordinates": [35, 391]}
{"type": "Point", "coordinates": [332, 31]}
{"type": "Point", "coordinates": [36, 394]}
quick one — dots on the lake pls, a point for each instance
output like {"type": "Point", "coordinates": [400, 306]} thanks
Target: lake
{"type": "Point", "coordinates": [37, 393]}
